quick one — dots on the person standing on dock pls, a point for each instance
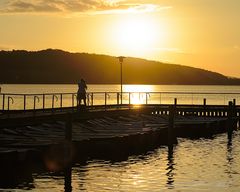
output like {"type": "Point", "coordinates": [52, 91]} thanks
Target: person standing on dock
{"type": "Point", "coordinates": [81, 94]}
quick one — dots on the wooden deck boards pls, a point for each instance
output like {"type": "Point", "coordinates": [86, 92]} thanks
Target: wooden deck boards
{"type": "Point", "coordinates": [29, 131]}
{"type": "Point", "coordinates": [104, 127]}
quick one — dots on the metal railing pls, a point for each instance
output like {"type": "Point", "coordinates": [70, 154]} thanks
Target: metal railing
{"type": "Point", "coordinates": [10, 101]}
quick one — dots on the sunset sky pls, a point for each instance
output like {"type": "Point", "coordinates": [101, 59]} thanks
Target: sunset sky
{"type": "Point", "coordinates": [198, 33]}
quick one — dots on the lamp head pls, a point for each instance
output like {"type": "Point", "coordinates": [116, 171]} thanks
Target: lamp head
{"type": "Point", "coordinates": [121, 58]}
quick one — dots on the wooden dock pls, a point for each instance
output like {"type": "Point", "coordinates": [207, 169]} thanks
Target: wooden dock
{"type": "Point", "coordinates": [113, 131]}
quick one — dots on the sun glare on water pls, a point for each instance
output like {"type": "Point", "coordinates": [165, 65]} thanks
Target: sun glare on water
{"type": "Point", "coordinates": [138, 93]}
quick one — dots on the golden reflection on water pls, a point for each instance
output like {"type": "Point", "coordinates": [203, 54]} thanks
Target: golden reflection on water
{"type": "Point", "coordinates": [135, 174]}
{"type": "Point", "coordinates": [138, 95]}
{"type": "Point", "coordinates": [193, 165]}
{"type": "Point", "coordinates": [138, 88]}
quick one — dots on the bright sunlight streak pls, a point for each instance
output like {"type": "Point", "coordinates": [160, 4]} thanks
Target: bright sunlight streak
{"type": "Point", "coordinates": [138, 88]}
{"type": "Point", "coordinates": [136, 35]}
{"type": "Point", "coordinates": [138, 95]}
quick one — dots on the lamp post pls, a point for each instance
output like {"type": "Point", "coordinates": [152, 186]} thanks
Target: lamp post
{"type": "Point", "coordinates": [120, 58]}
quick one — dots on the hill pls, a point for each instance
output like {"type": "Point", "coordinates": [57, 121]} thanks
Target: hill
{"type": "Point", "coordinates": [56, 66]}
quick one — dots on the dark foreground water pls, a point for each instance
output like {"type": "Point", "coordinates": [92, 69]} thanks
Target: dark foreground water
{"type": "Point", "coordinates": [194, 165]}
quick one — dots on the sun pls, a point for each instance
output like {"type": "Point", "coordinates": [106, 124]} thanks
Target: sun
{"type": "Point", "coordinates": [136, 35]}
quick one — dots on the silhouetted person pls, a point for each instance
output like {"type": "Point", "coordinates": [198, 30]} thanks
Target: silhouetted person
{"type": "Point", "coordinates": [81, 94]}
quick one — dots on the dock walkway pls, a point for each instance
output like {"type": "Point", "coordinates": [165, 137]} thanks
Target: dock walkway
{"type": "Point", "coordinates": [108, 130]}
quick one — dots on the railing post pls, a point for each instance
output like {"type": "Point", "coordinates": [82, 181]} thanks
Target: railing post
{"type": "Point", "coordinates": [43, 101]}
{"type": "Point", "coordinates": [52, 101]}
{"type": "Point", "coordinates": [8, 103]}
{"type": "Point", "coordinates": [73, 100]}
{"type": "Point", "coordinates": [34, 103]}
{"type": "Point", "coordinates": [24, 102]}
{"type": "Point", "coordinates": [92, 99]}
{"type": "Point", "coordinates": [146, 98]}
{"type": "Point", "coordinates": [3, 102]}
{"type": "Point", "coordinates": [160, 97]}
{"type": "Point", "coordinates": [9, 98]}
{"type": "Point", "coordinates": [61, 101]}
{"type": "Point", "coordinates": [129, 98]}
{"type": "Point", "coordinates": [105, 98]}
{"type": "Point", "coordinates": [88, 99]}
{"type": "Point", "coordinates": [118, 98]}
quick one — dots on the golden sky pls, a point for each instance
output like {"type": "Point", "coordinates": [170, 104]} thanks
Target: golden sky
{"type": "Point", "coordinates": [198, 33]}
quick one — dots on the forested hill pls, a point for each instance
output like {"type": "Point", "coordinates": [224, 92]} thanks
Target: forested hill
{"type": "Point", "coordinates": [56, 66]}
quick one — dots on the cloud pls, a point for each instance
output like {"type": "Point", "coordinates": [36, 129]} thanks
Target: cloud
{"type": "Point", "coordinates": [76, 6]}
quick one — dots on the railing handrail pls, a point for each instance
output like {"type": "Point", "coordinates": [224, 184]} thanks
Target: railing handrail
{"type": "Point", "coordinates": [99, 97]}
{"type": "Point", "coordinates": [114, 92]}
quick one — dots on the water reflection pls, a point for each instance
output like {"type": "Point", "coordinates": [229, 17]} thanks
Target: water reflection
{"type": "Point", "coordinates": [68, 179]}
{"type": "Point", "coordinates": [170, 168]}
{"type": "Point", "coordinates": [19, 177]}
{"type": "Point", "coordinates": [193, 165]}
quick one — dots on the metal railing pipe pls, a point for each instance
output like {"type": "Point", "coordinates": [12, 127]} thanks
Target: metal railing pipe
{"type": "Point", "coordinates": [10, 98]}
{"type": "Point", "coordinates": [34, 102]}
{"type": "Point", "coordinates": [24, 102]}
{"type": "Point", "coordinates": [3, 102]}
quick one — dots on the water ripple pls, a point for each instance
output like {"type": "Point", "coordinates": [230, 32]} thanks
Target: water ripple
{"type": "Point", "coordinates": [193, 165]}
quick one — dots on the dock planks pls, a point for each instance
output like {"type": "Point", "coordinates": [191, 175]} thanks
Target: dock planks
{"type": "Point", "coordinates": [107, 131]}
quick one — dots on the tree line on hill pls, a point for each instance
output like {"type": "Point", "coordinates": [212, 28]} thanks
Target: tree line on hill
{"type": "Point", "coordinates": [57, 66]}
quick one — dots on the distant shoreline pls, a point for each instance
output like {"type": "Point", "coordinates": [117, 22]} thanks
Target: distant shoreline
{"type": "Point", "coordinates": [59, 67]}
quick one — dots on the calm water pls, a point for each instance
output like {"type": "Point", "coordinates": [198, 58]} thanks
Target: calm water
{"type": "Point", "coordinates": [51, 88]}
{"type": "Point", "coordinates": [194, 165]}
{"type": "Point", "coordinates": [220, 95]}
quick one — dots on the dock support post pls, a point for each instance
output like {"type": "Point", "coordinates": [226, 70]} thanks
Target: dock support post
{"type": "Point", "coordinates": [175, 101]}
{"type": "Point", "coordinates": [171, 136]}
{"type": "Point", "coordinates": [204, 107]}
{"type": "Point", "coordinates": [68, 179]}
{"type": "Point", "coordinates": [68, 154]}
{"type": "Point", "coordinates": [68, 127]}
{"type": "Point", "coordinates": [230, 122]}
{"type": "Point", "coordinates": [234, 115]}
{"type": "Point", "coordinates": [234, 102]}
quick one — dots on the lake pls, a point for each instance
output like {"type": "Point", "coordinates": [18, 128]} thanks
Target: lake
{"type": "Point", "coordinates": [194, 165]}
{"type": "Point", "coordinates": [65, 95]}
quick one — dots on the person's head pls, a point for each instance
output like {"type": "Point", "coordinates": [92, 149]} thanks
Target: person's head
{"type": "Point", "coordinates": [82, 80]}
